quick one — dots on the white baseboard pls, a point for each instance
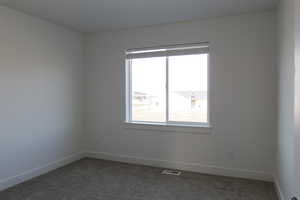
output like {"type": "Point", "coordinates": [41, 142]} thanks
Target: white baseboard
{"type": "Point", "coordinates": [207, 169]}
{"type": "Point", "coordinates": [278, 189]}
{"type": "Point", "coordinates": [14, 180]}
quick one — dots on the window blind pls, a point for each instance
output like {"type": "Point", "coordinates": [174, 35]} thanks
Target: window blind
{"type": "Point", "coordinates": [171, 50]}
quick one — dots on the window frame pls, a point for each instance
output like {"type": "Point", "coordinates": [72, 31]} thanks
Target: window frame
{"type": "Point", "coordinates": [128, 90]}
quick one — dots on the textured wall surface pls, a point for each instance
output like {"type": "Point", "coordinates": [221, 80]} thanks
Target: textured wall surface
{"type": "Point", "coordinates": [41, 92]}
{"type": "Point", "coordinates": [243, 95]}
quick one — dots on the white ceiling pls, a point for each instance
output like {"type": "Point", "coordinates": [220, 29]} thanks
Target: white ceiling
{"type": "Point", "coordinates": [97, 15]}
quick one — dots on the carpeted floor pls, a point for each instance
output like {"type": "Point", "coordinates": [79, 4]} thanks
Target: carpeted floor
{"type": "Point", "coordinates": [90, 179]}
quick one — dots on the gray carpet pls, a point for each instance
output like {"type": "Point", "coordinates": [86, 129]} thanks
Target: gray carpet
{"type": "Point", "coordinates": [90, 179]}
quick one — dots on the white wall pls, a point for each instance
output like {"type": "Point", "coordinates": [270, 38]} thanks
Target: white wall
{"type": "Point", "coordinates": [243, 97]}
{"type": "Point", "coordinates": [41, 92]}
{"type": "Point", "coordinates": [297, 100]}
{"type": "Point", "coordinates": [288, 101]}
{"type": "Point", "coordinates": [286, 98]}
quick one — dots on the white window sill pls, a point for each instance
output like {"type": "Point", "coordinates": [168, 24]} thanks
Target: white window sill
{"type": "Point", "coordinates": [162, 127]}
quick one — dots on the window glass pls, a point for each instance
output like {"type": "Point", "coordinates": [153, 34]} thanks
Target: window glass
{"type": "Point", "coordinates": [188, 94]}
{"type": "Point", "coordinates": [148, 94]}
{"type": "Point", "coordinates": [168, 85]}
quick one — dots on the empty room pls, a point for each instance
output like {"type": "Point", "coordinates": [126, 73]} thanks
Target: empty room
{"type": "Point", "coordinates": [149, 99]}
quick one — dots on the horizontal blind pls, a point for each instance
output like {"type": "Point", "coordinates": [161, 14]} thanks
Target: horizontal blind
{"type": "Point", "coordinates": [172, 50]}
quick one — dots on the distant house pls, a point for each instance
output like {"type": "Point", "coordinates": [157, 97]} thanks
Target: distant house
{"type": "Point", "coordinates": [141, 99]}
{"type": "Point", "coordinates": [190, 99]}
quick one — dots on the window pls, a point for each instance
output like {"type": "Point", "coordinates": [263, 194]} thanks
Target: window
{"type": "Point", "coordinates": [168, 85]}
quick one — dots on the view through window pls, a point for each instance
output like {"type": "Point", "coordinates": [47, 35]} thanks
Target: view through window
{"type": "Point", "coordinates": [168, 87]}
